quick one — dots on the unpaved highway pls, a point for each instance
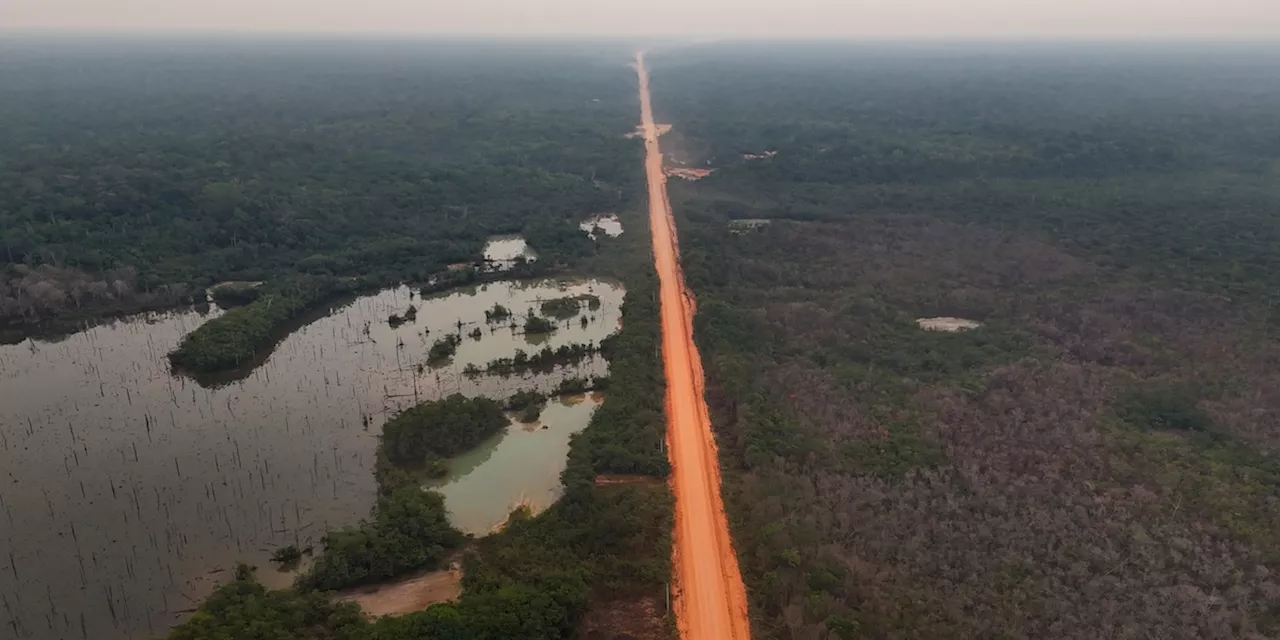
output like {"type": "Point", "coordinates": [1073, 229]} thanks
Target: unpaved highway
{"type": "Point", "coordinates": [710, 603]}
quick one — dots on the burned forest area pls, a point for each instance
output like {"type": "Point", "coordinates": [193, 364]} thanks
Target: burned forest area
{"type": "Point", "coordinates": [1090, 452]}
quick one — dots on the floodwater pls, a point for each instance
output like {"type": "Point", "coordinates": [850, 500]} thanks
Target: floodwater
{"type": "Point", "coordinates": [609, 225]}
{"type": "Point", "coordinates": [519, 467]}
{"type": "Point", "coordinates": [503, 251]}
{"type": "Point", "coordinates": [128, 493]}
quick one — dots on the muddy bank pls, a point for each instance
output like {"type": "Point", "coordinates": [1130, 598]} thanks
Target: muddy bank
{"type": "Point", "coordinates": [408, 595]}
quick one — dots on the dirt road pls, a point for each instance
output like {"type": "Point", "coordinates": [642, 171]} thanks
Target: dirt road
{"type": "Point", "coordinates": [710, 603]}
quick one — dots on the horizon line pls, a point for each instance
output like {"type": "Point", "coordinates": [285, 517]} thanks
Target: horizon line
{"type": "Point", "coordinates": [692, 38]}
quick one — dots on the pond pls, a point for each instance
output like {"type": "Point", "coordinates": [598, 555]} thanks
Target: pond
{"type": "Point", "coordinates": [503, 251]}
{"type": "Point", "coordinates": [127, 493]}
{"type": "Point", "coordinates": [608, 224]}
{"type": "Point", "coordinates": [519, 467]}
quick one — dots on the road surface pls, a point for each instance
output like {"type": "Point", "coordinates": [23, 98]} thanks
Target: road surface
{"type": "Point", "coordinates": [710, 602]}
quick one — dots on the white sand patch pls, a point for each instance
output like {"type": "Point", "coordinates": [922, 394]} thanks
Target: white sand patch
{"type": "Point", "coordinates": [949, 325]}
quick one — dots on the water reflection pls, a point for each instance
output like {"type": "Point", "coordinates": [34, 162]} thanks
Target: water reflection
{"type": "Point", "coordinates": [504, 251]}
{"type": "Point", "coordinates": [608, 224]}
{"type": "Point", "coordinates": [127, 494]}
{"type": "Point", "coordinates": [520, 466]}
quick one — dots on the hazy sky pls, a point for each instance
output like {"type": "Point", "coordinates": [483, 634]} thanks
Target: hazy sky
{"type": "Point", "coordinates": [885, 18]}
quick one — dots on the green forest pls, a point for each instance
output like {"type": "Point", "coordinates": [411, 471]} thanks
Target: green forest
{"type": "Point", "coordinates": [167, 169]}
{"type": "Point", "coordinates": [1096, 458]}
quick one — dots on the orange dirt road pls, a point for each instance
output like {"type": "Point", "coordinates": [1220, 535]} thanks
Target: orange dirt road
{"type": "Point", "coordinates": [710, 601]}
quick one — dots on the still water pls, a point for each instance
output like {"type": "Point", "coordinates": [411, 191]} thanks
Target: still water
{"type": "Point", "coordinates": [607, 224]}
{"type": "Point", "coordinates": [517, 468]}
{"type": "Point", "coordinates": [127, 493]}
{"type": "Point", "coordinates": [503, 251]}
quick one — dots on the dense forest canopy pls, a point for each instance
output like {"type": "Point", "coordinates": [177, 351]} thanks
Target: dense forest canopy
{"type": "Point", "coordinates": [1105, 147]}
{"type": "Point", "coordinates": [132, 170]}
{"type": "Point", "coordinates": [1096, 458]}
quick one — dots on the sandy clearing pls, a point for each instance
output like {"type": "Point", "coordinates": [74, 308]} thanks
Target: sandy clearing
{"type": "Point", "coordinates": [409, 595]}
{"type": "Point", "coordinates": [688, 173]}
{"type": "Point", "coordinates": [639, 132]}
{"type": "Point", "coordinates": [950, 325]}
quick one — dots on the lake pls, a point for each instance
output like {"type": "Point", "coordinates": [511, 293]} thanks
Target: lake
{"type": "Point", "coordinates": [127, 493]}
{"type": "Point", "coordinates": [502, 252]}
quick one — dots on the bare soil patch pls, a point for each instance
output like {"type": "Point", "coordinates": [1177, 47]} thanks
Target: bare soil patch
{"type": "Point", "coordinates": [639, 131]}
{"type": "Point", "coordinates": [950, 325]}
{"type": "Point", "coordinates": [635, 619]}
{"type": "Point", "coordinates": [687, 173]}
{"type": "Point", "coordinates": [409, 595]}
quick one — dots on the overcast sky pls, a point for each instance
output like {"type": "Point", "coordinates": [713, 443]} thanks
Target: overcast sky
{"type": "Point", "coordinates": [781, 18]}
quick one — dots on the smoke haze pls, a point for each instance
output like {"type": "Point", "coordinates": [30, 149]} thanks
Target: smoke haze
{"type": "Point", "coordinates": [793, 18]}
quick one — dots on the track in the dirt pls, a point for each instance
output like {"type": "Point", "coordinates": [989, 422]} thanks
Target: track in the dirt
{"type": "Point", "coordinates": [710, 603]}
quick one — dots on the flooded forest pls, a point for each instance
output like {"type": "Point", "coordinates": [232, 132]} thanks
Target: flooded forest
{"type": "Point", "coordinates": [220, 287]}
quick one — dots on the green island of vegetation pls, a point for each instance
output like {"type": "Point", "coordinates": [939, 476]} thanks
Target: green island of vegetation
{"type": "Point", "coordinates": [443, 349]}
{"type": "Point", "coordinates": [535, 324]}
{"type": "Point", "coordinates": [569, 306]}
{"type": "Point", "coordinates": [542, 361]}
{"type": "Point", "coordinates": [410, 315]}
{"type": "Point", "coordinates": [239, 335]}
{"type": "Point", "coordinates": [410, 531]}
{"type": "Point", "coordinates": [443, 428]}
{"type": "Point", "coordinates": [498, 313]}
{"type": "Point", "coordinates": [528, 404]}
